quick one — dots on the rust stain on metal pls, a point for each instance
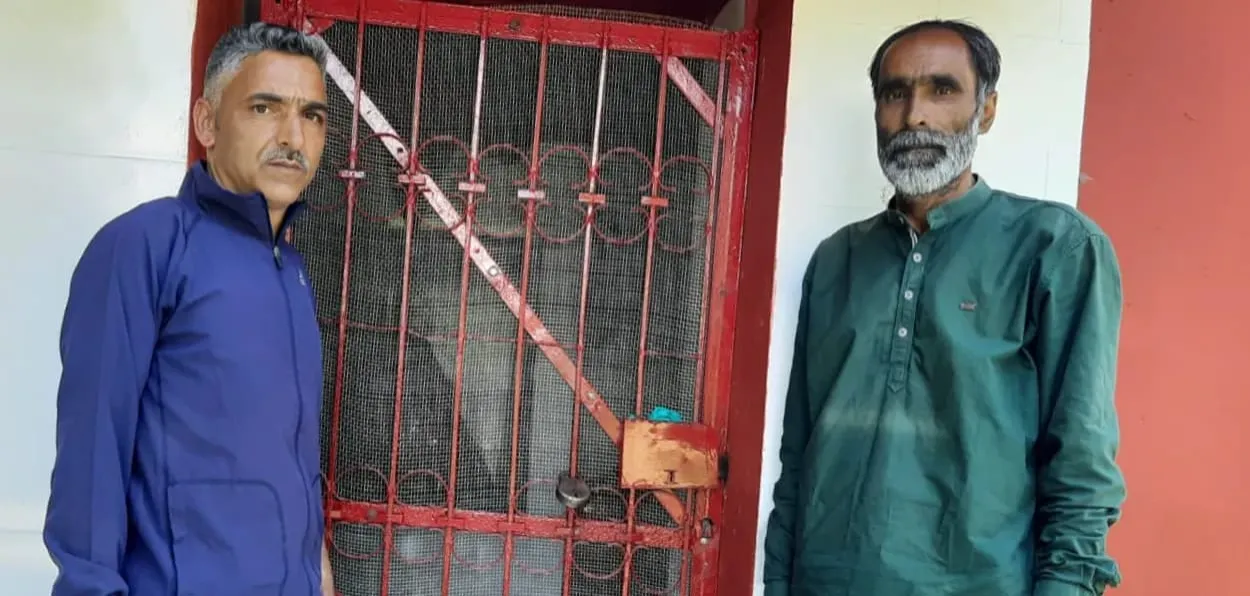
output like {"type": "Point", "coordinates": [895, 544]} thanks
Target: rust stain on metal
{"type": "Point", "coordinates": [666, 455]}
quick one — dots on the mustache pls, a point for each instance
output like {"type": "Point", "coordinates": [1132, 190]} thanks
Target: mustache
{"type": "Point", "coordinates": [286, 155]}
{"type": "Point", "coordinates": [918, 139]}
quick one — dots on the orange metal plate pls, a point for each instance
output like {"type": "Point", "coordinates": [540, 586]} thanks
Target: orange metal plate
{"type": "Point", "coordinates": [666, 455]}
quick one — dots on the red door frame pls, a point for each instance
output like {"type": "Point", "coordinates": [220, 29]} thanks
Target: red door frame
{"type": "Point", "coordinates": [773, 21]}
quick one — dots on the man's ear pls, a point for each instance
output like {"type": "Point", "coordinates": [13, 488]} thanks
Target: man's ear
{"type": "Point", "coordinates": [988, 112]}
{"type": "Point", "coordinates": [205, 122]}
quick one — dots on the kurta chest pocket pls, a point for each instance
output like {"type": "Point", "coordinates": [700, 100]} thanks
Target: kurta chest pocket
{"type": "Point", "coordinates": [973, 316]}
{"type": "Point", "coordinates": [228, 538]}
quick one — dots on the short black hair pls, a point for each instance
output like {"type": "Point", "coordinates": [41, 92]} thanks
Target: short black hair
{"type": "Point", "coordinates": [987, 63]}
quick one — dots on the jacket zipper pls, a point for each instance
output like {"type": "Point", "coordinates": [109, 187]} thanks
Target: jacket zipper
{"type": "Point", "coordinates": [299, 418]}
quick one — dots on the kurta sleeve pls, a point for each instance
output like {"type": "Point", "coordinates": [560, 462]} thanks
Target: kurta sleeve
{"type": "Point", "coordinates": [796, 429]}
{"type": "Point", "coordinates": [1080, 486]}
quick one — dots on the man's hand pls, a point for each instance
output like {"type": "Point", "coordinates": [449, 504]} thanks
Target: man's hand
{"type": "Point", "coordinates": [327, 574]}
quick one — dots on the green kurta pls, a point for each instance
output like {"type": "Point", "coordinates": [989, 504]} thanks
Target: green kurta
{"type": "Point", "coordinates": [949, 428]}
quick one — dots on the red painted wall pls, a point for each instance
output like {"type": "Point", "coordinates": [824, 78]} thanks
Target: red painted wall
{"type": "Point", "coordinates": [1165, 148]}
{"type": "Point", "coordinates": [212, 20]}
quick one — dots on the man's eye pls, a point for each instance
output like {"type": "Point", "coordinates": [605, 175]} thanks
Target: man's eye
{"type": "Point", "coordinates": [945, 90]}
{"type": "Point", "coordinates": [260, 108]}
{"type": "Point", "coordinates": [316, 117]}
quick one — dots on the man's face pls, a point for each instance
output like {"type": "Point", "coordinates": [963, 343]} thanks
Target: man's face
{"type": "Point", "coordinates": [269, 128]}
{"type": "Point", "coordinates": [928, 113]}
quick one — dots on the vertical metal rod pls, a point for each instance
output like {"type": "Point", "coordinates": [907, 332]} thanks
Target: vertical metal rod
{"type": "Point", "coordinates": [410, 198]}
{"type": "Point", "coordinates": [709, 237]}
{"type": "Point", "coordinates": [353, 154]}
{"type": "Point", "coordinates": [518, 369]}
{"type": "Point", "coordinates": [708, 262]}
{"type": "Point", "coordinates": [588, 232]}
{"type": "Point", "coordinates": [691, 542]}
{"type": "Point", "coordinates": [657, 162]}
{"type": "Point", "coordinates": [470, 208]}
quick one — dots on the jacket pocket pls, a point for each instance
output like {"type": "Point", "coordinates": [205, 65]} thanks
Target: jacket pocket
{"type": "Point", "coordinates": [228, 538]}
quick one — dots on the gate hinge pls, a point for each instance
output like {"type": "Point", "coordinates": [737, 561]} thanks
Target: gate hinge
{"type": "Point", "coordinates": [722, 468]}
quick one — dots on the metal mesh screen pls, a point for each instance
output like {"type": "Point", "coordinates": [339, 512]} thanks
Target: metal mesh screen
{"type": "Point", "coordinates": [446, 422]}
{"type": "Point", "coordinates": [601, 14]}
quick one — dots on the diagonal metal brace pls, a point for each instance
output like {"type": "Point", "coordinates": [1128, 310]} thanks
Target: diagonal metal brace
{"type": "Point", "coordinates": [690, 87]}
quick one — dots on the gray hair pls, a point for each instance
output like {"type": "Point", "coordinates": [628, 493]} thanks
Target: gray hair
{"type": "Point", "coordinates": [244, 41]}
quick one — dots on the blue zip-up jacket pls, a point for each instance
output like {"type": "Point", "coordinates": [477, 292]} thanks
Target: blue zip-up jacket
{"type": "Point", "coordinates": [187, 436]}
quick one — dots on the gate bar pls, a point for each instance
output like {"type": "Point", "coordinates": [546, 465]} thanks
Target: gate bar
{"type": "Point", "coordinates": [550, 528]}
{"type": "Point", "coordinates": [590, 199]}
{"type": "Point", "coordinates": [340, 367]}
{"type": "Point", "coordinates": [699, 567]}
{"type": "Point", "coordinates": [518, 371]}
{"type": "Point", "coordinates": [466, 223]}
{"type": "Point", "coordinates": [465, 18]}
{"type": "Point", "coordinates": [392, 496]}
{"type": "Point", "coordinates": [653, 202]}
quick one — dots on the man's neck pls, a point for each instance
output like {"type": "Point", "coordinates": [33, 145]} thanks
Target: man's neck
{"type": "Point", "coordinates": [276, 215]}
{"type": "Point", "coordinates": [225, 184]}
{"type": "Point", "coordinates": [275, 221]}
{"type": "Point", "coordinates": [917, 208]}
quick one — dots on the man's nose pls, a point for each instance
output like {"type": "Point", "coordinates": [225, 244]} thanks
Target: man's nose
{"type": "Point", "coordinates": [291, 132]}
{"type": "Point", "coordinates": [916, 116]}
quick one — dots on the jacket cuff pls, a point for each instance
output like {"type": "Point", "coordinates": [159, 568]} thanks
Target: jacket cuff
{"type": "Point", "coordinates": [1050, 587]}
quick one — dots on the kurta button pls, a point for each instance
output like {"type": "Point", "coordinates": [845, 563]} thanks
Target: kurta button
{"type": "Point", "coordinates": [916, 257]}
{"type": "Point", "coordinates": [908, 295]}
{"type": "Point", "coordinates": [902, 332]}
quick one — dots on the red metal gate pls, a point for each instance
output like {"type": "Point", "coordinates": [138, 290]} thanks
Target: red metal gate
{"type": "Point", "coordinates": [524, 245]}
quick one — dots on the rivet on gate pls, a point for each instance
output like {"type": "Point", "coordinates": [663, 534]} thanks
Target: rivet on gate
{"type": "Point", "coordinates": [493, 271]}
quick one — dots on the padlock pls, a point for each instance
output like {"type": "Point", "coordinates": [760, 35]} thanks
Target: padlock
{"type": "Point", "coordinates": [572, 492]}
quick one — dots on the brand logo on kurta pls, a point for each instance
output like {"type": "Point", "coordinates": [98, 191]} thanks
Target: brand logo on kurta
{"type": "Point", "coordinates": [968, 305]}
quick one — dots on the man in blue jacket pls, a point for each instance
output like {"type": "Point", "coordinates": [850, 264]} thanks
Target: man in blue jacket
{"type": "Point", "coordinates": [187, 451]}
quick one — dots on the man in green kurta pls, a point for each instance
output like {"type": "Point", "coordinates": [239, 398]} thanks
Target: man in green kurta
{"type": "Point", "coordinates": [949, 428]}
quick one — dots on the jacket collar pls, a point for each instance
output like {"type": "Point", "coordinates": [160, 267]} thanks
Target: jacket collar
{"type": "Point", "coordinates": [952, 210]}
{"type": "Point", "coordinates": [251, 210]}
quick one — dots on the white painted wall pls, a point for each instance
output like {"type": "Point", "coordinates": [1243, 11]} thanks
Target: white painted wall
{"type": "Point", "coordinates": [94, 106]}
{"type": "Point", "coordinates": [830, 175]}
{"type": "Point", "coordinates": [95, 121]}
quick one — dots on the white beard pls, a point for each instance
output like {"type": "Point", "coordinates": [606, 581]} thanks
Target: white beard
{"type": "Point", "coordinates": [922, 172]}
